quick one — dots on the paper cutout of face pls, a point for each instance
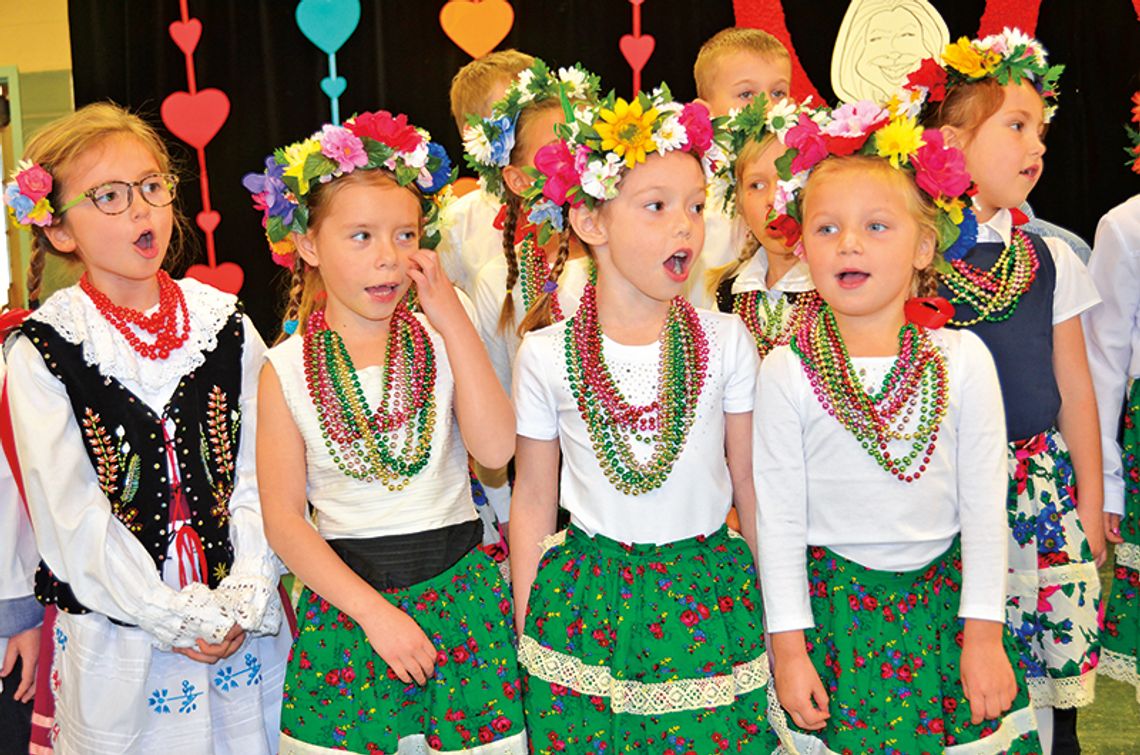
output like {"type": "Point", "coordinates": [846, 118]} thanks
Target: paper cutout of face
{"type": "Point", "coordinates": [880, 42]}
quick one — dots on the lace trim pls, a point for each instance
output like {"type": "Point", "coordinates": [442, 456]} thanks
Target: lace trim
{"type": "Point", "coordinates": [1067, 692]}
{"type": "Point", "coordinates": [415, 744]}
{"type": "Point", "coordinates": [71, 313]}
{"type": "Point", "coordinates": [551, 541]}
{"type": "Point", "coordinates": [252, 602]}
{"type": "Point", "coordinates": [640, 698]}
{"type": "Point", "coordinates": [200, 614]}
{"type": "Point", "coordinates": [1128, 554]}
{"type": "Point", "coordinates": [1120, 667]}
{"type": "Point", "coordinates": [1028, 582]}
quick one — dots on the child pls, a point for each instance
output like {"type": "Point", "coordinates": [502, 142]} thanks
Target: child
{"type": "Point", "coordinates": [639, 630]}
{"type": "Point", "coordinates": [1114, 356]}
{"type": "Point", "coordinates": [732, 68]}
{"type": "Point", "coordinates": [404, 640]}
{"type": "Point", "coordinates": [1021, 294]}
{"type": "Point", "coordinates": [133, 405]}
{"type": "Point", "coordinates": [470, 240]}
{"type": "Point", "coordinates": [879, 471]}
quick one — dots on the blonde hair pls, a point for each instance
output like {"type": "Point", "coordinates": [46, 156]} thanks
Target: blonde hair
{"type": "Point", "coordinates": [306, 287]}
{"type": "Point", "coordinates": [918, 203]}
{"type": "Point", "coordinates": [471, 86]}
{"type": "Point", "coordinates": [58, 145]}
{"type": "Point", "coordinates": [730, 40]}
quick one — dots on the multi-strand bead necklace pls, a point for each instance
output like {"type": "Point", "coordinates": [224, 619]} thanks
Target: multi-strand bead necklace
{"type": "Point", "coordinates": [770, 329]}
{"type": "Point", "coordinates": [994, 294]}
{"type": "Point", "coordinates": [163, 324]}
{"type": "Point", "coordinates": [916, 383]}
{"type": "Point", "coordinates": [613, 423]}
{"type": "Point", "coordinates": [392, 443]}
{"type": "Point", "coordinates": [534, 277]}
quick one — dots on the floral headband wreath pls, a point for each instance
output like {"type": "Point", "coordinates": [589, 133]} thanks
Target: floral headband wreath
{"type": "Point", "coordinates": [1134, 136]}
{"type": "Point", "coordinates": [891, 132]}
{"type": "Point", "coordinates": [1009, 58]}
{"type": "Point", "coordinates": [368, 141]}
{"type": "Point", "coordinates": [487, 142]}
{"type": "Point", "coordinates": [28, 196]}
{"type": "Point", "coordinates": [599, 144]}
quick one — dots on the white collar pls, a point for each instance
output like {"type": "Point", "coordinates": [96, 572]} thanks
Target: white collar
{"type": "Point", "coordinates": [753, 276]}
{"type": "Point", "coordinates": [997, 228]}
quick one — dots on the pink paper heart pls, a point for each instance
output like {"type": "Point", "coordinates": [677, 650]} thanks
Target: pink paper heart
{"type": "Point", "coordinates": [208, 220]}
{"type": "Point", "coordinates": [636, 49]}
{"type": "Point", "coordinates": [196, 118]}
{"type": "Point", "coordinates": [186, 34]}
{"type": "Point", "coordinates": [227, 276]}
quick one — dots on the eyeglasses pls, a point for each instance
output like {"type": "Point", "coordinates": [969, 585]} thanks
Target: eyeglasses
{"type": "Point", "coordinates": [114, 197]}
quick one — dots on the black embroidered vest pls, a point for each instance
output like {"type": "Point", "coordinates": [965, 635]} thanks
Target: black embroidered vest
{"type": "Point", "coordinates": [126, 443]}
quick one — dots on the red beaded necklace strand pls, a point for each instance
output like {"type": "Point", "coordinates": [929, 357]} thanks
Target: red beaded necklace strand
{"type": "Point", "coordinates": [163, 324]}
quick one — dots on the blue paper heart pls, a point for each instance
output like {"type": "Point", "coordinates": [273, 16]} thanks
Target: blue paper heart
{"type": "Point", "coordinates": [328, 23]}
{"type": "Point", "coordinates": [333, 87]}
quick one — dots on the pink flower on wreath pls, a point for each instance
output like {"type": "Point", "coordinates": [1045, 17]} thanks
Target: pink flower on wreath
{"type": "Point", "coordinates": [344, 148]}
{"type": "Point", "coordinates": [855, 119]}
{"type": "Point", "coordinates": [35, 183]}
{"type": "Point", "coordinates": [558, 165]}
{"type": "Point", "coordinates": [695, 119]}
{"type": "Point", "coordinates": [940, 170]}
{"type": "Point", "coordinates": [806, 138]}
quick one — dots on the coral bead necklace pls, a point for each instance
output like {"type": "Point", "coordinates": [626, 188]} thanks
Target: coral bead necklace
{"type": "Point", "coordinates": [994, 294]}
{"type": "Point", "coordinates": [779, 322]}
{"type": "Point", "coordinates": [163, 324]}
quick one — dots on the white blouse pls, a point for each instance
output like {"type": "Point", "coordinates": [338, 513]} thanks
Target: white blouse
{"type": "Point", "coordinates": [754, 277]}
{"type": "Point", "coordinates": [816, 485]}
{"type": "Point", "coordinates": [696, 496]}
{"type": "Point", "coordinates": [106, 566]}
{"type": "Point", "coordinates": [469, 238]}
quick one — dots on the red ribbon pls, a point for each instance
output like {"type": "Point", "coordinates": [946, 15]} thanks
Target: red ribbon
{"type": "Point", "coordinates": [523, 228]}
{"type": "Point", "coordinates": [187, 545]}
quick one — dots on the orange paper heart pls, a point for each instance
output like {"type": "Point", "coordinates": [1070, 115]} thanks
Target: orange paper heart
{"type": "Point", "coordinates": [476, 27]}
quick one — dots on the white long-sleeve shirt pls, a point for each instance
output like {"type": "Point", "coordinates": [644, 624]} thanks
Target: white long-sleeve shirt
{"type": "Point", "coordinates": [816, 485]}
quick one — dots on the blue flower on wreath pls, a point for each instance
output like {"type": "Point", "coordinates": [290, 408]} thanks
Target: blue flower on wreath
{"type": "Point", "coordinates": [546, 211]}
{"type": "Point", "coordinates": [269, 189]}
{"type": "Point", "coordinates": [967, 237]}
{"type": "Point", "coordinates": [18, 203]}
{"type": "Point", "coordinates": [442, 174]}
{"type": "Point", "coordinates": [504, 140]}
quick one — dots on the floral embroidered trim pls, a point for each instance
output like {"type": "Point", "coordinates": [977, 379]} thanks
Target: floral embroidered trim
{"type": "Point", "coordinates": [639, 698]}
{"type": "Point", "coordinates": [1120, 667]}
{"type": "Point", "coordinates": [1128, 554]}
{"type": "Point", "coordinates": [1028, 582]}
{"type": "Point", "coordinates": [109, 464]}
{"type": "Point", "coordinates": [219, 437]}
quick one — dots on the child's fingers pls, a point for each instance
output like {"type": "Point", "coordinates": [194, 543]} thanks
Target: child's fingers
{"type": "Point", "coordinates": [194, 655]}
{"type": "Point", "coordinates": [27, 689]}
{"type": "Point", "coordinates": [10, 656]}
{"type": "Point", "coordinates": [1112, 528]}
{"type": "Point", "coordinates": [401, 672]}
{"type": "Point", "coordinates": [417, 671]}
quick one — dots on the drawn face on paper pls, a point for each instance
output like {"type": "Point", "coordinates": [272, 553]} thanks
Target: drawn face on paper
{"type": "Point", "coordinates": [880, 42]}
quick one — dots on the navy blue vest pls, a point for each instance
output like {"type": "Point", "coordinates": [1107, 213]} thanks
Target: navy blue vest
{"type": "Point", "coordinates": [1022, 346]}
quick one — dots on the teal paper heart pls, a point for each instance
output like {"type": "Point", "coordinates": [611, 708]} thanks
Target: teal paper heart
{"type": "Point", "coordinates": [328, 23]}
{"type": "Point", "coordinates": [333, 87]}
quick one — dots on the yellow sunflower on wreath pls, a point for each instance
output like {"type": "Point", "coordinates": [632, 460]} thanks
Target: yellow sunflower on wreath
{"type": "Point", "coordinates": [627, 130]}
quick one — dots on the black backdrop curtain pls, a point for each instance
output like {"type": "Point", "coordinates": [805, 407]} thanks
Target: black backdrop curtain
{"type": "Point", "coordinates": [400, 60]}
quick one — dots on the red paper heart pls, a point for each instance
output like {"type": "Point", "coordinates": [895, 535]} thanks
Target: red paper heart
{"type": "Point", "coordinates": [477, 27]}
{"type": "Point", "coordinates": [227, 276]}
{"type": "Point", "coordinates": [636, 49]}
{"type": "Point", "coordinates": [208, 220]}
{"type": "Point", "coordinates": [186, 34]}
{"type": "Point", "coordinates": [196, 118]}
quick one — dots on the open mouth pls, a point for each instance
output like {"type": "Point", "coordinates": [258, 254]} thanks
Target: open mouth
{"type": "Point", "coordinates": [145, 244]}
{"type": "Point", "coordinates": [1032, 172]}
{"type": "Point", "coordinates": [852, 278]}
{"type": "Point", "coordinates": [677, 266]}
{"type": "Point", "coordinates": [383, 291]}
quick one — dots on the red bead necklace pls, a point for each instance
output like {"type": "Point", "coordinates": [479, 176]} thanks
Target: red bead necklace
{"type": "Point", "coordinates": [163, 324]}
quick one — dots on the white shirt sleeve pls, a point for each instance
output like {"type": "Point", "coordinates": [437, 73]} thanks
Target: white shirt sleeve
{"type": "Point", "coordinates": [489, 285]}
{"type": "Point", "coordinates": [535, 410]}
{"type": "Point", "coordinates": [1073, 291]}
{"type": "Point", "coordinates": [250, 589]}
{"type": "Point", "coordinates": [780, 475]}
{"type": "Point", "coordinates": [106, 566]}
{"type": "Point", "coordinates": [744, 363]}
{"type": "Point", "coordinates": [982, 471]}
{"type": "Point", "coordinates": [1109, 330]}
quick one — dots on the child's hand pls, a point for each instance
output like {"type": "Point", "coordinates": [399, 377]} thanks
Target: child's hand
{"type": "Point", "coordinates": [398, 639]}
{"type": "Point", "coordinates": [437, 295]}
{"type": "Point", "coordinates": [26, 647]}
{"type": "Point", "coordinates": [987, 678]}
{"type": "Point", "coordinates": [210, 654]}
{"type": "Point", "coordinates": [1095, 532]}
{"type": "Point", "coordinates": [1112, 528]}
{"type": "Point", "coordinates": [798, 685]}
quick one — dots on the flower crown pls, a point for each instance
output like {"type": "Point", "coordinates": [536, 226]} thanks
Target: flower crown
{"type": "Point", "coordinates": [368, 141]}
{"type": "Point", "coordinates": [892, 132]}
{"type": "Point", "coordinates": [599, 144]}
{"type": "Point", "coordinates": [27, 195]}
{"type": "Point", "coordinates": [1134, 136]}
{"type": "Point", "coordinates": [1009, 57]}
{"type": "Point", "coordinates": [487, 142]}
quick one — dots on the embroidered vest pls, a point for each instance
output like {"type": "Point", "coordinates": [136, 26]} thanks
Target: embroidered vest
{"type": "Point", "coordinates": [130, 449]}
{"type": "Point", "coordinates": [1022, 346]}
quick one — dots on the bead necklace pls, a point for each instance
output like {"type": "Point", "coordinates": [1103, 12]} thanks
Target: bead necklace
{"type": "Point", "coordinates": [613, 422]}
{"type": "Point", "coordinates": [916, 382]}
{"type": "Point", "coordinates": [392, 443]}
{"type": "Point", "coordinates": [995, 293]}
{"type": "Point", "coordinates": [163, 324]}
{"type": "Point", "coordinates": [770, 329]}
{"type": "Point", "coordinates": [534, 275]}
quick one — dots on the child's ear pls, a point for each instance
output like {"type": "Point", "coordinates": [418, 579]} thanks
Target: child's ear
{"type": "Point", "coordinates": [515, 179]}
{"type": "Point", "coordinates": [61, 238]}
{"type": "Point", "coordinates": [924, 255]}
{"type": "Point", "coordinates": [953, 137]}
{"type": "Point", "coordinates": [305, 247]}
{"type": "Point", "coordinates": [588, 226]}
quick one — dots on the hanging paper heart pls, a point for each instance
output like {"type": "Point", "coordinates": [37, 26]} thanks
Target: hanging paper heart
{"type": "Point", "coordinates": [477, 27]}
{"type": "Point", "coordinates": [333, 87]}
{"type": "Point", "coordinates": [186, 34]}
{"type": "Point", "coordinates": [636, 49]}
{"type": "Point", "coordinates": [328, 23]}
{"type": "Point", "coordinates": [227, 276]}
{"type": "Point", "coordinates": [463, 186]}
{"type": "Point", "coordinates": [208, 220]}
{"type": "Point", "coordinates": [999, 14]}
{"type": "Point", "coordinates": [196, 118]}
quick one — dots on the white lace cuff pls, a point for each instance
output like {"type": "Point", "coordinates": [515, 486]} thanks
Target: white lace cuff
{"type": "Point", "coordinates": [252, 602]}
{"type": "Point", "coordinates": [200, 615]}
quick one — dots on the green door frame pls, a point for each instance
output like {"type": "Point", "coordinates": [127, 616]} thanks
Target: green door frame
{"type": "Point", "coordinates": [17, 295]}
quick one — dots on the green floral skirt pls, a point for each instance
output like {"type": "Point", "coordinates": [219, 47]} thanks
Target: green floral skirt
{"type": "Point", "coordinates": [887, 647]}
{"type": "Point", "coordinates": [645, 648]}
{"type": "Point", "coordinates": [341, 696]}
{"type": "Point", "coordinates": [1120, 629]}
{"type": "Point", "coordinates": [1054, 589]}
